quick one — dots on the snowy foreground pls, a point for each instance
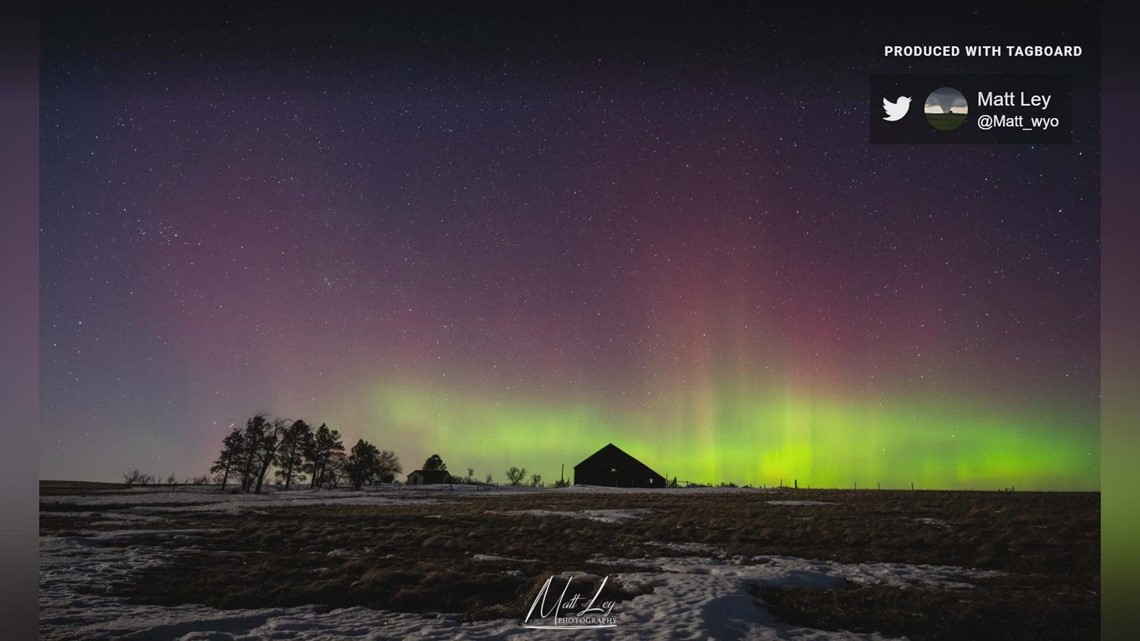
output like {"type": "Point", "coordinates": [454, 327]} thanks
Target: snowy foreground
{"type": "Point", "coordinates": [702, 595]}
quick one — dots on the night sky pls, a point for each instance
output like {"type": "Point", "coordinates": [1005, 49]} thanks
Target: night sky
{"type": "Point", "coordinates": [512, 241]}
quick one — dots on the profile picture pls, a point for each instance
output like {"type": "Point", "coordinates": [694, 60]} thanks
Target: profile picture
{"type": "Point", "coordinates": [946, 108]}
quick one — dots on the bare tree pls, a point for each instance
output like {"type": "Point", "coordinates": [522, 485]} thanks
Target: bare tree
{"type": "Point", "coordinates": [535, 480]}
{"type": "Point", "coordinates": [387, 466]}
{"type": "Point", "coordinates": [132, 477]}
{"type": "Point", "coordinates": [336, 469]}
{"type": "Point", "coordinates": [515, 475]}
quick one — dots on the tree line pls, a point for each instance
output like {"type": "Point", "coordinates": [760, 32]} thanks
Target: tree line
{"type": "Point", "coordinates": [299, 453]}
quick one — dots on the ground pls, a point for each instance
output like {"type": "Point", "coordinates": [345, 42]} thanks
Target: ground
{"type": "Point", "coordinates": [192, 563]}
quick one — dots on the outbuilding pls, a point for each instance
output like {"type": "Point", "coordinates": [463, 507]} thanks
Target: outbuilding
{"type": "Point", "coordinates": [612, 467]}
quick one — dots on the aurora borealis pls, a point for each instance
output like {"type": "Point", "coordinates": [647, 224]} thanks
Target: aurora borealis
{"type": "Point", "coordinates": [515, 255]}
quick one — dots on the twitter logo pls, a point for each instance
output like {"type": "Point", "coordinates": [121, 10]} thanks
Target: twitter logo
{"type": "Point", "coordinates": [897, 109]}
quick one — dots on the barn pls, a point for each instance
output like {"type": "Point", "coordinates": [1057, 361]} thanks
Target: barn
{"type": "Point", "coordinates": [612, 467]}
{"type": "Point", "coordinates": [429, 477]}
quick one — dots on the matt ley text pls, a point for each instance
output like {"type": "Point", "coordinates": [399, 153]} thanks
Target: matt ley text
{"type": "Point", "coordinates": [1009, 99]}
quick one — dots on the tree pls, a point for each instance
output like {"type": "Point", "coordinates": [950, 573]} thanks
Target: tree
{"type": "Point", "coordinates": [267, 448]}
{"type": "Point", "coordinates": [290, 459]}
{"type": "Point", "coordinates": [259, 443]}
{"type": "Point", "coordinates": [232, 448]}
{"type": "Point", "coordinates": [368, 464]}
{"type": "Point", "coordinates": [515, 475]}
{"type": "Point", "coordinates": [361, 467]}
{"type": "Point", "coordinates": [535, 480]}
{"type": "Point", "coordinates": [470, 475]}
{"type": "Point", "coordinates": [132, 477]}
{"type": "Point", "coordinates": [336, 470]}
{"type": "Point", "coordinates": [387, 466]}
{"type": "Point", "coordinates": [434, 462]}
{"type": "Point", "coordinates": [490, 479]}
{"type": "Point", "coordinates": [320, 451]}
{"type": "Point", "coordinates": [252, 439]}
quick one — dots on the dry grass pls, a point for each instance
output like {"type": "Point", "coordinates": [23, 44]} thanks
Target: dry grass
{"type": "Point", "coordinates": [998, 610]}
{"type": "Point", "coordinates": [418, 557]}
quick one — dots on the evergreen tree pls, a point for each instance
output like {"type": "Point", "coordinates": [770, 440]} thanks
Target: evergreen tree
{"type": "Point", "coordinates": [232, 448]}
{"type": "Point", "coordinates": [362, 461]}
{"type": "Point", "coordinates": [320, 451]}
{"type": "Point", "coordinates": [267, 446]}
{"type": "Point", "coordinates": [252, 439]}
{"type": "Point", "coordinates": [290, 458]}
{"type": "Point", "coordinates": [435, 462]}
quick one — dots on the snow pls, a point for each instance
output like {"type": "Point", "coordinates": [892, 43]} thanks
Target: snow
{"type": "Point", "coordinates": [786, 571]}
{"type": "Point", "coordinates": [687, 598]}
{"type": "Point", "coordinates": [930, 521]}
{"type": "Point", "coordinates": [603, 516]}
{"type": "Point", "coordinates": [685, 547]}
{"type": "Point", "coordinates": [682, 491]}
{"type": "Point", "coordinates": [699, 595]}
{"type": "Point", "coordinates": [497, 558]}
{"type": "Point", "coordinates": [205, 499]}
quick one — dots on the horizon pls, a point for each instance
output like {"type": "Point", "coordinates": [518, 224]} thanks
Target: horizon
{"type": "Point", "coordinates": [162, 486]}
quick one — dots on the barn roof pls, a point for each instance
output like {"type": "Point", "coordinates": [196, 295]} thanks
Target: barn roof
{"type": "Point", "coordinates": [612, 453]}
{"type": "Point", "coordinates": [431, 474]}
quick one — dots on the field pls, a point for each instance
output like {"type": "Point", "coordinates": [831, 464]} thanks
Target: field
{"type": "Point", "coordinates": [194, 564]}
{"type": "Point", "coordinates": [945, 122]}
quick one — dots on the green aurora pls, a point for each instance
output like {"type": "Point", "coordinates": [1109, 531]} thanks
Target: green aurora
{"type": "Point", "coordinates": [767, 437]}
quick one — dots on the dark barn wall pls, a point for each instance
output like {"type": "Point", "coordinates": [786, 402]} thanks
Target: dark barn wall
{"type": "Point", "coordinates": [429, 477]}
{"type": "Point", "coordinates": [610, 467]}
{"type": "Point", "coordinates": [623, 477]}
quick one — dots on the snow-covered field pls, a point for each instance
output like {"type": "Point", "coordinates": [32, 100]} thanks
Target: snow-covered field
{"type": "Point", "coordinates": [702, 594]}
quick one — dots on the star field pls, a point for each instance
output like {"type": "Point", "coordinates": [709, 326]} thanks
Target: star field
{"type": "Point", "coordinates": [513, 259]}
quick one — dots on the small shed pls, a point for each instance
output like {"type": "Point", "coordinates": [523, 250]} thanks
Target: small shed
{"type": "Point", "coordinates": [612, 467]}
{"type": "Point", "coordinates": [429, 477]}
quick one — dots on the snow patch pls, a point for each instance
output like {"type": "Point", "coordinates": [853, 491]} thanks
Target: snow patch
{"type": "Point", "coordinates": [930, 521]}
{"type": "Point", "coordinates": [144, 504]}
{"type": "Point", "coordinates": [603, 516]}
{"type": "Point", "coordinates": [497, 558]}
{"type": "Point", "coordinates": [685, 547]}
